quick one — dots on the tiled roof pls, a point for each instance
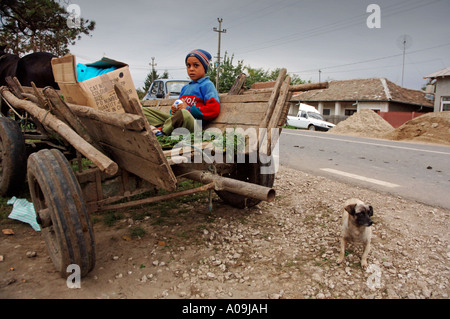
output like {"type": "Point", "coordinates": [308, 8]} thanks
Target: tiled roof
{"type": "Point", "coordinates": [373, 89]}
{"type": "Point", "coordinates": [441, 73]}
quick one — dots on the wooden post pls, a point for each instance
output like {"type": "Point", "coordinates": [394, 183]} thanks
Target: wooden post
{"type": "Point", "coordinates": [238, 84]}
{"type": "Point", "coordinates": [273, 98]}
{"type": "Point", "coordinates": [123, 120]}
{"type": "Point", "coordinates": [157, 198]}
{"type": "Point", "coordinates": [293, 88]}
{"type": "Point", "coordinates": [265, 140]}
{"type": "Point", "coordinates": [130, 105]}
{"type": "Point", "coordinates": [308, 87]}
{"type": "Point", "coordinates": [67, 114]}
{"type": "Point", "coordinates": [228, 184]}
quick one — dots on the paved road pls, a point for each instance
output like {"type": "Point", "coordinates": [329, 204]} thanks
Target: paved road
{"type": "Point", "coordinates": [415, 171]}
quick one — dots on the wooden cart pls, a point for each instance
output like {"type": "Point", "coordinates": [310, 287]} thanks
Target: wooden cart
{"type": "Point", "coordinates": [128, 160]}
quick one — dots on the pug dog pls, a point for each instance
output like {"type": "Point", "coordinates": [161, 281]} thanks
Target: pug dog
{"type": "Point", "coordinates": [356, 222]}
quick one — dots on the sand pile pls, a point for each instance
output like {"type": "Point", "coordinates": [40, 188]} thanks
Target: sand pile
{"type": "Point", "coordinates": [365, 123]}
{"type": "Point", "coordinates": [431, 128]}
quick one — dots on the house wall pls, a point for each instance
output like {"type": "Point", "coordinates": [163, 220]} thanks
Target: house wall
{"type": "Point", "coordinates": [378, 106]}
{"type": "Point", "coordinates": [442, 89]}
{"type": "Point", "coordinates": [401, 107]}
{"type": "Point", "coordinates": [339, 108]}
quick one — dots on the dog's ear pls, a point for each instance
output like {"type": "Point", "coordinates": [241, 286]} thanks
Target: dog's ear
{"type": "Point", "coordinates": [370, 211]}
{"type": "Point", "coordinates": [350, 209]}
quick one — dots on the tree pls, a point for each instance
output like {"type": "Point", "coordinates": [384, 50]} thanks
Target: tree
{"type": "Point", "coordinates": [40, 25]}
{"type": "Point", "coordinates": [229, 74]}
{"type": "Point", "coordinates": [153, 75]}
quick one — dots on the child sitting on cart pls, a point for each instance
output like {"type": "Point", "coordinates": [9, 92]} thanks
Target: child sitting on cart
{"type": "Point", "coordinates": [200, 100]}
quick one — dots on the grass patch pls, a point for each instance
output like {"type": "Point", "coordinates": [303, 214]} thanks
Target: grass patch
{"type": "Point", "coordinates": [137, 232]}
{"type": "Point", "coordinates": [5, 209]}
{"type": "Point", "coordinates": [111, 217]}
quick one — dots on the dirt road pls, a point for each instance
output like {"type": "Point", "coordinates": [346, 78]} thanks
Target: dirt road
{"type": "Point", "coordinates": [287, 249]}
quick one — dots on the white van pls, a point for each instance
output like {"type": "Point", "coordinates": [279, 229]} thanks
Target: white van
{"type": "Point", "coordinates": [165, 89]}
{"type": "Point", "coordinates": [309, 118]}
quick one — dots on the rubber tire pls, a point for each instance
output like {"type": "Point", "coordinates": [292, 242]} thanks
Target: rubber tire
{"type": "Point", "coordinates": [311, 128]}
{"type": "Point", "coordinates": [13, 157]}
{"type": "Point", "coordinates": [248, 172]}
{"type": "Point", "coordinates": [53, 185]}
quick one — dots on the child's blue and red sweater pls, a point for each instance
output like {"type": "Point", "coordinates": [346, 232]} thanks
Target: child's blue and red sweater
{"type": "Point", "coordinates": [202, 99]}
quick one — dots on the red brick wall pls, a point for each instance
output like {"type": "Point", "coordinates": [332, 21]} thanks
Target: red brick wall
{"type": "Point", "coordinates": [397, 119]}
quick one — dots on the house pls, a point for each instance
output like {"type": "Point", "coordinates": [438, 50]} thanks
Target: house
{"type": "Point", "coordinates": [441, 81]}
{"type": "Point", "coordinates": [343, 98]}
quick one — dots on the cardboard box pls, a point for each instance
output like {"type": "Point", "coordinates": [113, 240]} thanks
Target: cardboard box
{"type": "Point", "coordinates": [97, 92]}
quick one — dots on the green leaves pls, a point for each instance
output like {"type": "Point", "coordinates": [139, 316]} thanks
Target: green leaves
{"type": "Point", "coordinates": [39, 25]}
{"type": "Point", "coordinates": [227, 140]}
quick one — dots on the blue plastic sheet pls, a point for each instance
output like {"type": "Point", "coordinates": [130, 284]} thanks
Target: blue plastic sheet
{"type": "Point", "coordinates": [86, 72]}
{"type": "Point", "coordinates": [24, 211]}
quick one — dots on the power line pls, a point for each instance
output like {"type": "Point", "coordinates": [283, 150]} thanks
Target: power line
{"type": "Point", "coordinates": [372, 60]}
{"type": "Point", "coordinates": [338, 25]}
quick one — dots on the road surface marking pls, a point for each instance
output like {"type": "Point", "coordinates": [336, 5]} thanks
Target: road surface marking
{"type": "Point", "coordinates": [368, 143]}
{"type": "Point", "coordinates": [359, 177]}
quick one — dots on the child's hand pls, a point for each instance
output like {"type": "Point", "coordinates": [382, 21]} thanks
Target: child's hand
{"type": "Point", "coordinates": [180, 106]}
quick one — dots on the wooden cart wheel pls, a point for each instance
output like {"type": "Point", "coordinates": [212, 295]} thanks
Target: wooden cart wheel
{"type": "Point", "coordinates": [61, 210]}
{"type": "Point", "coordinates": [13, 157]}
{"type": "Point", "coordinates": [248, 172]}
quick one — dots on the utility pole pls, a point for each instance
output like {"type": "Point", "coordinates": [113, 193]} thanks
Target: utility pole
{"type": "Point", "coordinates": [220, 31]}
{"type": "Point", "coordinates": [320, 71]}
{"type": "Point", "coordinates": [153, 64]}
{"type": "Point", "coordinates": [404, 51]}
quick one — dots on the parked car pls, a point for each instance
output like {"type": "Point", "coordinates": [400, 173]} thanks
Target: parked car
{"type": "Point", "coordinates": [309, 118]}
{"type": "Point", "coordinates": [165, 89]}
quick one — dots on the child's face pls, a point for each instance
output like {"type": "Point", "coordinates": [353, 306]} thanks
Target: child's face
{"type": "Point", "coordinates": [194, 68]}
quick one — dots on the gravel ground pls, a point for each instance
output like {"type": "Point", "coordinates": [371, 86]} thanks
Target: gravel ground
{"type": "Point", "coordinates": [281, 250]}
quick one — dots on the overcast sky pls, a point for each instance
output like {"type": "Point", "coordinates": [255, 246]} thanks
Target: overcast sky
{"type": "Point", "coordinates": [304, 36]}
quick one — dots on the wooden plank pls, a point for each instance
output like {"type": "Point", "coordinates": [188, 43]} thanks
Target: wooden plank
{"type": "Point", "coordinates": [136, 142]}
{"type": "Point", "coordinates": [67, 114]}
{"type": "Point", "coordinates": [132, 105]}
{"type": "Point", "coordinates": [274, 97]}
{"type": "Point", "coordinates": [292, 88]}
{"type": "Point", "coordinates": [160, 175]}
{"type": "Point", "coordinates": [308, 86]}
{"type": "Point", "coordinates": [38, 93]}
{"type": "Point", "coordinates": [139, 152]}
{"type": "Point", "coordinates": [123, 120]}
{"type": "Point", "coordinates": [49, 120]}
{"type": "Point", "coordinates": [239, 118]}
{"type": "Point", "coordinates": [223, 99]}
{"type": "Point", "coordinates": [283, 118]}
{"type": "Point", "coordinates": [278, 109]}
{"type": "Point", "coordinates": [158, 103]}
{"type": "Point", "coordinates": [266, 139]}
{"type": "Point", "coordinates": [238, 84]}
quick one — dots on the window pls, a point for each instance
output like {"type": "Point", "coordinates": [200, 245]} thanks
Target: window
{"type": "Point", "coordinates": [445, 103]}
{"type": "Point", "coordinates": [155, 88]}
{"type": "Point", "coordinates": [326, 111]}
{"type": "Point", "coordinates": [349, 112]}
{"type": "Point", "coordinates": [174, 87]}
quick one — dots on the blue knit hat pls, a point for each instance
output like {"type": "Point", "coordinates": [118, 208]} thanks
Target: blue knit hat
{"type": "Point", "coordinates": [203, 56]}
